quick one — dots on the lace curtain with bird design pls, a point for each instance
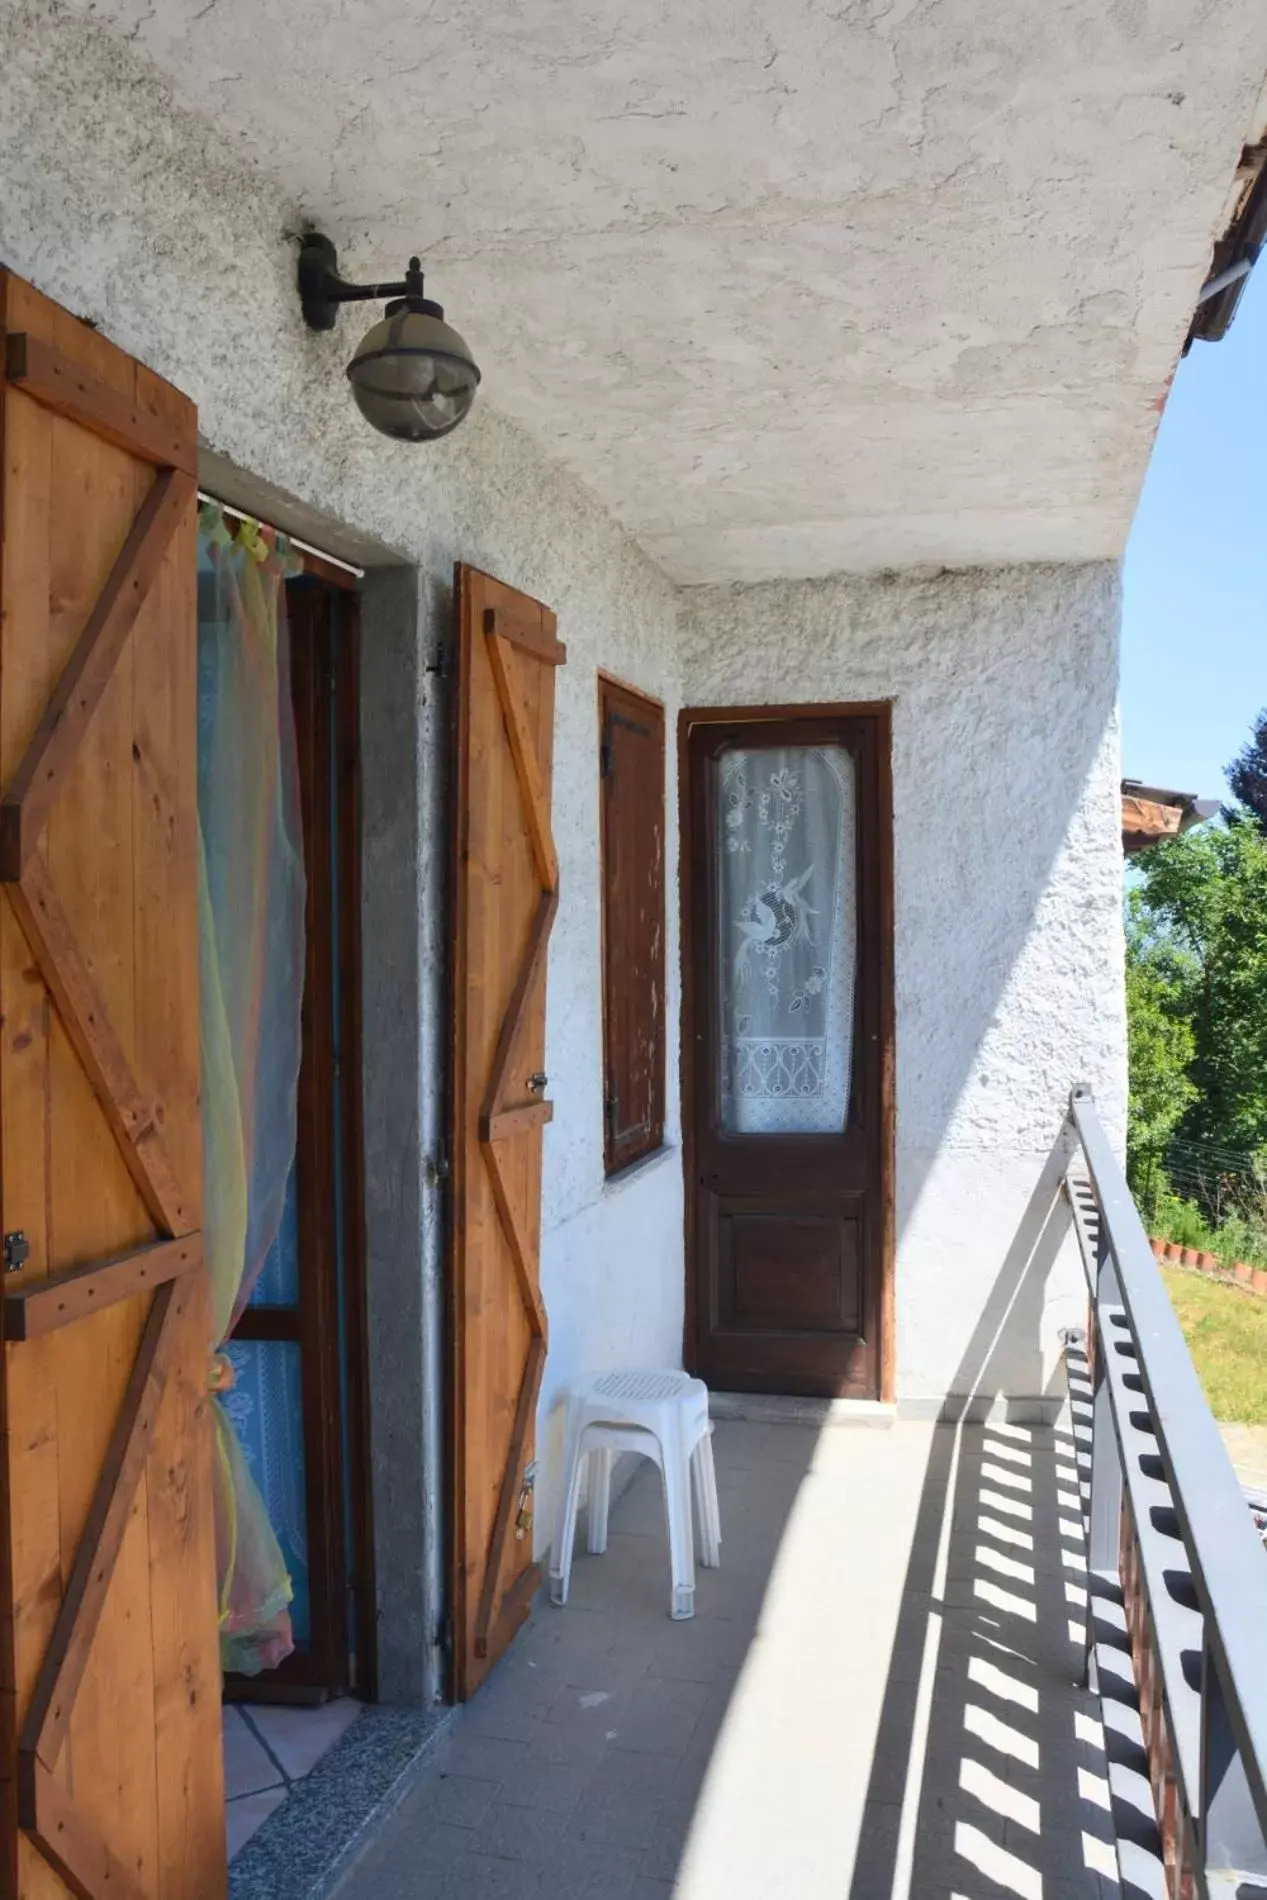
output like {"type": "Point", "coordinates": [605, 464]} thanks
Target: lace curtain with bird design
{"type": "Point", "coordinates": [787, 936]}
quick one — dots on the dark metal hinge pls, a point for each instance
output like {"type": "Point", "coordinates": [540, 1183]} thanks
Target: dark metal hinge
{"type": "Point", "coordinates": [440, 663]}
{"type": "Point", "coordinates": [444, 1632]}
{"type": "Point", "coordinates": [17, 1251]}
{"type": "Point", "coordinates": [605, 759]}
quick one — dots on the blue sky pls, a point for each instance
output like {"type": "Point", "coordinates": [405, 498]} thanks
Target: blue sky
{"type": "Point", "coordinates": [1194, 638]}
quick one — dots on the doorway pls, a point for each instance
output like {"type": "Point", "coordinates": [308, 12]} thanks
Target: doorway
{"type": "Point", "coordinates": [788, 1048]}
{"type": "Point", "coordinates": [298, 1347]}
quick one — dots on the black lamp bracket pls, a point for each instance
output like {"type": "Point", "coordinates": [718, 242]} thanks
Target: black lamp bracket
{"type": "Point", "coordinates": [322, 290]}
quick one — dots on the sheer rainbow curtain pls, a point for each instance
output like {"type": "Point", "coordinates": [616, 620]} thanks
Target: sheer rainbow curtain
{"type": "Point", "coordinates": [251, 923]}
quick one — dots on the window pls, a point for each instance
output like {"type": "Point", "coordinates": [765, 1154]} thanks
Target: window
{"type": "Point", "coordinates": [786, 907]}
{"type": "Point", "coordinates": [631, 759]}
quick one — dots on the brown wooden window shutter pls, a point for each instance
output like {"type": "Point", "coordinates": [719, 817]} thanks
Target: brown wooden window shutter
{"type": "Point", "coordinates": [631, 762]}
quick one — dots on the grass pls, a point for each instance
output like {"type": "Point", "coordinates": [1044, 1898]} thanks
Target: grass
{"type": "Point", "coordinates": [1226, 1331]}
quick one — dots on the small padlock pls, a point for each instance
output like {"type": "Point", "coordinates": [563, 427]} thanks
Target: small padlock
{"type": "Point", "coordinates": [523, 1516]}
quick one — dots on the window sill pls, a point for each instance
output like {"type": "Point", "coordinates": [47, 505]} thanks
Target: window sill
{"type": "Point", "coordinates": [614, 1184]}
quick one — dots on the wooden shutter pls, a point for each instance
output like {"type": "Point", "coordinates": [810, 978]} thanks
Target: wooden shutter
{"type": "Point", "coordinates": [505, 897]}
{"type": "Point", "coordinates": [110, 1770]}
{"type": "Point", "coordinates": [631, 762]}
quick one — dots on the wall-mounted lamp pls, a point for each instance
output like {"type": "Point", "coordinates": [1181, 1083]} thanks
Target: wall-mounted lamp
{"type": "Point", "coordinates": [412, 375]}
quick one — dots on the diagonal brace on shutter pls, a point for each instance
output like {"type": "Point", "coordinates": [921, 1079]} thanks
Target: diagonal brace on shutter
{"type": "Point", "coordinates": [144, 603]}
{"type": "Point", "coordinates": [498, 1125]}
{"type": "Point", "coordinates": [47, 762]}
{"type": "Point", "coordinates": [48, 1717]}
{"type": "Point", "coordinates": [24, 811]}
{"type": "Point", "coordinates": [132, 1119]}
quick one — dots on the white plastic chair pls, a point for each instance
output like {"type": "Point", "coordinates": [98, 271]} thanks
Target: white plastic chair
{"type": "Point", "coordinates": [658, 1415]}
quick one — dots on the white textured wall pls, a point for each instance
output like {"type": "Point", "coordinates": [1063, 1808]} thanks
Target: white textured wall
{"type": "Point", "coordinates": [846, 285]}
{"type": "Point", "coordinates": [119, 204]}
{"type": "Point", "coordinates": [123, 206]}
{"type": "Point", "coordinates": [1008, 911]}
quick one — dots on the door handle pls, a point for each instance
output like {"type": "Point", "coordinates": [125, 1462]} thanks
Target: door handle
{"type": "Point", "coordinates": [537, 1081]}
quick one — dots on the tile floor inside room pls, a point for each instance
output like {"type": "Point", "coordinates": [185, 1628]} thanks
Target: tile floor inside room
{"type": "Point", "coordinates": [879, 1695]}
{"type": "Point", "coordinates": [268, 1749]}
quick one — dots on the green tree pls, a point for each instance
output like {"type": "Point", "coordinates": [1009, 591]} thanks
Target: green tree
{"type": "Point", "coordinates": [1198, 924]}
{"type": "Point", "coordinates": [1162, 1047]}
{"type": "Point", "coordinates": [1247, 774]}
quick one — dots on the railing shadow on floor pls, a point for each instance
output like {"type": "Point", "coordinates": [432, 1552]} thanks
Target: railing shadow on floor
{"type": "Point", "coordinates": [614, 1753]}
{"type": "Point", "coordinates": [985, 1714]}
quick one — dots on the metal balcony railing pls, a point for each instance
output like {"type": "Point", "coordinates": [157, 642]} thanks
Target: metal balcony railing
{"type": "Point", "coordinates": [1170, 1527]}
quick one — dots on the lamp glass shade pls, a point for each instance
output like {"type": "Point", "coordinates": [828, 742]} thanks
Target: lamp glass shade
{"type": "Point", "coordinates": [413, 377]}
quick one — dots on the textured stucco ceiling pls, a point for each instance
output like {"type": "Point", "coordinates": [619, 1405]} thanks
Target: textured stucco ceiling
{"type": "Point", "coordinates": [794, 286]}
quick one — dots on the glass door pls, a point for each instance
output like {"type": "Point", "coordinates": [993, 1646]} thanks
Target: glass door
{"type": "Point", "coordinates": [786, 978]}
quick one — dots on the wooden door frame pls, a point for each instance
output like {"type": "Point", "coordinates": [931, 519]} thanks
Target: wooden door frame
{"type": "Point", "coordinates": [347, 740]}
{"type": "Point", "coordinates": [881, 713]}
{"type": "Point", "coordinates": [321, 1669]}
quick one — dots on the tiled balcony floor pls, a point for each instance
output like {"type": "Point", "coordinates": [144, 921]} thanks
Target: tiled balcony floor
{"type": "Point", "coordinates": [878, 1696]}
{"type": "Point", "coordinates": [266, 1751]}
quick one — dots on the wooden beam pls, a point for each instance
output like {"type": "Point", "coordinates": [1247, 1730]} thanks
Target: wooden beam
{"type": "Point", "coordinates": [528, 634]}
{"type": "Point", "coordinates": [132, 1120]}
{"type": "Point", "coordinates": [512, 1021]}
{"type": "Point", "coordinates": [71, 1845]}
{"type": "Point", "coordinates": [41, 371]}
{"type": "Point", "coordinates": [61, 1672]}
{"type": "Point", "coordinates": [524, 752]}
{"type": "Point", "coordinates": [521, 1258]}
{"type": "Point", "coordinates": [516, 1121]}
{"type": "Point", "coordinates": [269, 1323]}
{"type": "Point", "coordinates": [51, 754]}
{"type": "Point", "coordinates": [515, 1607]}
{"type": "Point", "coordinates": [42, 1307]}
{"type": "Point", "coordinates": [512, 1481]}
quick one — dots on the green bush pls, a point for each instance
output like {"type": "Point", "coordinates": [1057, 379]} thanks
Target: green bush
{"type": "Point", "coordinates": [1240, 1239]}
{"type": "Point", "coordinates": [1197, 989]}
{"type": "Point", "coordinates": [1172, 1218]}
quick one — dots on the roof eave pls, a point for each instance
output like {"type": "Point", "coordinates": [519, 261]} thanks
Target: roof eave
{"type": "Point", "coordinates": [1240, 244]}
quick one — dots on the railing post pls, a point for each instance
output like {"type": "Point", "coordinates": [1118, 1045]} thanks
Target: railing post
{"type": "Point", "coordinates": [1202, 1570]}
{"type": "Point", "coordinates": [1230, 1838]}
{"type": "Point", "coordinates": [1104, 1517]}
